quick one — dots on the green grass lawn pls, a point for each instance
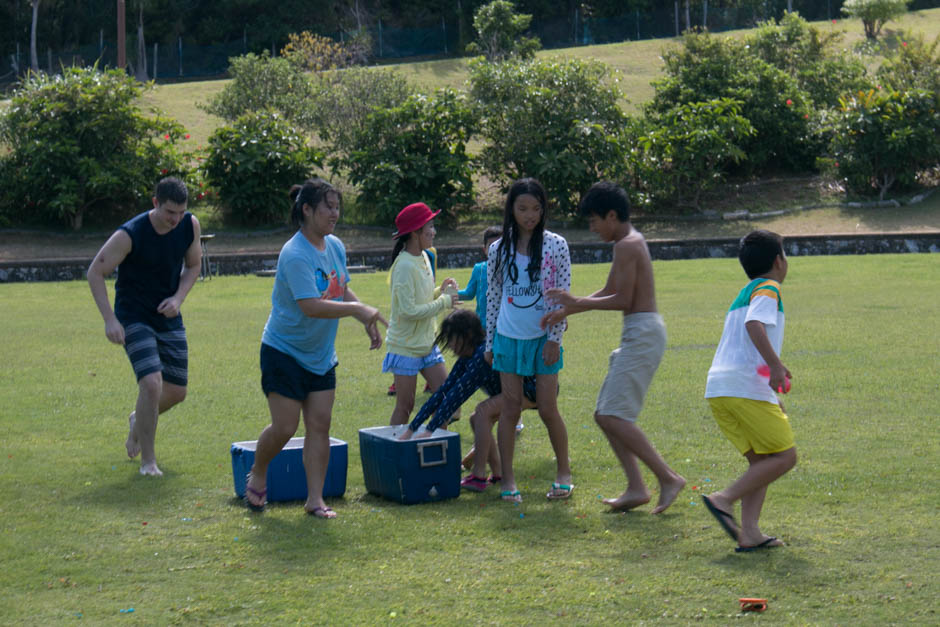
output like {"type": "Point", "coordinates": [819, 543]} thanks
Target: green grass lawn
{"type": "Point", "coordinates": [83, 535]}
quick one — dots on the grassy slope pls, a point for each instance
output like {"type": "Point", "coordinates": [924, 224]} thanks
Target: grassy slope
{"type": "Point", "coordinates": [637, 62]}
{"type": "Point", "coordinates": [82, 534]}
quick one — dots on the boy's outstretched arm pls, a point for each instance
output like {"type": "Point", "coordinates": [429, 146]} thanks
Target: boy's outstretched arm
{"type": "Point", "coordinates": [778, 372]}
{"type": "Point", "coordinates": [617, 293]}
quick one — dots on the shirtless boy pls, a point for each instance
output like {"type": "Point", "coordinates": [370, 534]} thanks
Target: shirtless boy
{"type": "Point", "coordinates": [629, 289]}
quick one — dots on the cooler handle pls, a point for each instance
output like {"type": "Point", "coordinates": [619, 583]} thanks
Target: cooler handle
{"type": "Point", "coordinates": [423, 445]}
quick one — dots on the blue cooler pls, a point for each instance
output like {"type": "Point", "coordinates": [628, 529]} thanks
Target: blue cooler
{"type": "Point", "coordinates": [287, 480]}
{"type": "Point", "coordinates": [412, 471]}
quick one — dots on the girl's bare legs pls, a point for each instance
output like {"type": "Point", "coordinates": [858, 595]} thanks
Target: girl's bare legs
{"type": "Point", "coordinates": [404, 398]}
{"type": "Point", "coordinates": [506, 431]}
{"type": "Point", "coordinates": [285, 416]}
{"type": "Point", "coordinates": [484, 417]}
{"type": "Point", "coordinates": [546, 391]}
{"type": "Point", "coordinates": [435, 375]}
{"type": "Point", "coordinates": [318, 412]}
{"type": "Point", "coordinates": [751, 488]}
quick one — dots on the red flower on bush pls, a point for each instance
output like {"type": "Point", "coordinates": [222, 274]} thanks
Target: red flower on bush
{"type": "Point", "coordinates": [164, 171]}
{"type": "Point", "coordinates": [806, 116]}
{"type": "Point", "coordinates": [167, 136]}
{"type": "Point", "coordinates": [904, 43]}
{"type": "Point", "coordinates": [200, 196]}
{"type": "Point", "coordinates": [789, 102]}
{"type": "Point", "coordinates": [186, 136]}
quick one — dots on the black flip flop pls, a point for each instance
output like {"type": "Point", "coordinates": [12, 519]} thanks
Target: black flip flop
{"type": "Point", "coordinates": [723, 518]}
{"type": "Point", "coordinates": [766, 544]}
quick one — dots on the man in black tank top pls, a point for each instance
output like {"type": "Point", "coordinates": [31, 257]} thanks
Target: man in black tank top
{"type": "Point", "coordinates": [158, 257]}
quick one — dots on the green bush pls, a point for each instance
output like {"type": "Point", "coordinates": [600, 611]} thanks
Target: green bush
{"type": "Point", "coordinates": [884, 138]}
{"type": "Point", "coordinates": [500, 33]}
{"type": "Point", "coordinates": [688, 147]}
{"type": "Point", "coordinates": [251, 165]}
{"type": "Point", "coordinates": [707, 67]}
{"type": "Point", "coordinates": [413, 152]}
{"type": "Point", "coordinates": [810, 56]}
{"type": "Point", "coordinates": [914, 65]}
{"type": "Point", "coordinates": [80, 149]}
{"type": "Point", "coordinates": [557, 121]}
{"type": "Point", "coordinates": [262, 82]}
{"type": "Point", "coordinates": [875, 13]}
{"type": "Point", "coordinates": [340, 102]}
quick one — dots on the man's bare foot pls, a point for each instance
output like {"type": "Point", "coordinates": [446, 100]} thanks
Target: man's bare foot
{"type": "Point", "coordinates": [406, 434]}
{"type": "Point", "coordinates": [628, 500]}
{"type": "Point", "coordinates": [150, 469]}
{"type": "Point", "coordinates": [423, 434]}
{"type": "Point", "coordinates": [668, 493]}
{"type": "Point", "coordinates": [132, 445]}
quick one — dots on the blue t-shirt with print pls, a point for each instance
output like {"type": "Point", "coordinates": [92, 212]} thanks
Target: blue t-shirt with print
{"type": "Point", "coordinates": [305, 272]}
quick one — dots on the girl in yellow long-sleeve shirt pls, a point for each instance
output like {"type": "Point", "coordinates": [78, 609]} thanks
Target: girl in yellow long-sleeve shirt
{"type": "Point", "coordinates": [416, 302]}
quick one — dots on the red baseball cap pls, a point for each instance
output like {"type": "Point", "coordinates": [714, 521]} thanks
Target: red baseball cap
{"type": "Point", "coordinates": [412, 218]}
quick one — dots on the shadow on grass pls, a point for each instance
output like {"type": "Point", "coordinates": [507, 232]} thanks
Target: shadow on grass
{"type": "Point", "coordinates": [131, 490]}
{"type": "Point", "coordinates": [777, 563]}
{"type": "Point", "coordinates": [284, 532]}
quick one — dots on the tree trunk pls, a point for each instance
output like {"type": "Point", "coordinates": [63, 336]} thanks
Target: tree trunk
{"type": "Point", "coordinates": [704, 14]}
{"type": "Point", "coordinates": [141, 74]}
{"type": "Point", "coordinates": [677, 17]}
{"type": "Point", "coordinates": [33, 55]}
{"type": "Point", "coordinates": [121, 36]}
{"type": "Point", "coordinates": [688, 16]}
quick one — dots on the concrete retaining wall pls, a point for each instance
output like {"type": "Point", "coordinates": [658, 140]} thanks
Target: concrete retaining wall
{"type": "Point", "coordinates": [466, 256]}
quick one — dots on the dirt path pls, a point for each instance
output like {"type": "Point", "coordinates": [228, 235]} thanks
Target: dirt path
{"type": "Point", "coordinates": [22, 245]}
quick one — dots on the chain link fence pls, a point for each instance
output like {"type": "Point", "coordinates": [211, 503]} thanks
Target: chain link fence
{"type": "Point", "coordinates": [187, 61]}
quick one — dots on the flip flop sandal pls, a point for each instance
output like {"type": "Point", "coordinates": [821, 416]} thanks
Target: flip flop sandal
{"type": "Point", "coordinates": [322, 512]}
{"type": "Point", "coordinates": [753, 605]}
{"type": "Point", "coordinates": [766, 544]}
{"type": "Point", "coordinates": [511, 496]}
{"type": "Point", "coordinates": [560, 492]}
{"type": "Point", "coordinates": [724, 519]}
{"type": "Point", "coordinates": [258, 494]}
{"type": "Point", "coordinates": [473, 483]}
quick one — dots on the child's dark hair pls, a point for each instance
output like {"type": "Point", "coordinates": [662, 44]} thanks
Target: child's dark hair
{"type": "Point", "coordinates": [462, 327]}
{"type": "Point", "coordinates": [510, 234]}
{"type": "Point", "coordinates": [757, 252]}
{"type": "Point", "coordinates": [491, 233]}
{"type": "Point", "coordinates": [400, 244]}
{"type": "Point", "coordinates": [172, 189]}
{"type": "Point", "coordinates": [310, 193]}
{"type": "Point", "coordinates": [603, 197]}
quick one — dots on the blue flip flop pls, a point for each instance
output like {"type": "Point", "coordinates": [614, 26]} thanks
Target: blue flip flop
{"type": "Point", "coordinates": [512, 496]}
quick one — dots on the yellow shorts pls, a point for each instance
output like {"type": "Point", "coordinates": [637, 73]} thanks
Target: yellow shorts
{"type": "Point", "coordinates": [751, 425]}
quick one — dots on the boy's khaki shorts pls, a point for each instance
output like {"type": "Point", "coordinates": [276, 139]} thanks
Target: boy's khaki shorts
{"type": "Point", "coordinates": [751, 425]}
{"type": "Point", "coordinates": [632, 366]}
